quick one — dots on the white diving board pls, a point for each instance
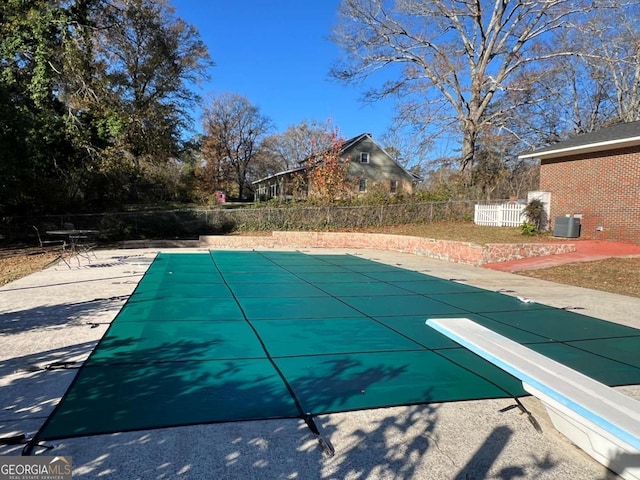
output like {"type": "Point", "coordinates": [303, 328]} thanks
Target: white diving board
{"type": "Point", "coordinates": [602, 421]}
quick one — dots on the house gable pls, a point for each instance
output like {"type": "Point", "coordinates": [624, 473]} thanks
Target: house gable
{"type": "Point", "coordinates": [379, 169]}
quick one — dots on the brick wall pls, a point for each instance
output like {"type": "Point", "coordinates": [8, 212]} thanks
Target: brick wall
{"type": "Point", "coordinates": [458, 252]}
{"type": "Point", "coordinates": [604, 187]}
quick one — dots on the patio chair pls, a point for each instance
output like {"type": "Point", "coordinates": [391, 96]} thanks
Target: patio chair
{"type": "Point", "coordinates": [81, 243]}
{"type": "Point", "coordinates": [85, 248]}
{"type": "Point", "coordinates": [59, 246]}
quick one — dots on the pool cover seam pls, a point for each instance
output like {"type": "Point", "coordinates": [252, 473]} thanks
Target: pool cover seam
{"type": "Point", "coordinates": [289, 388]}
{"type": "Point", "coordinates": [509, 394]}
{"type": "Point", "coordinates": [553, 340]}
{"type": "Point", "coordinates": [392, 329]}
{"type": "Point", "coordinates": [431, 297]}
{"type": "Point", "coordinates": [387, 326]}
{"type": "Point", "coordinates": [420, 345]}
{"type": "Point", "coordinates": [350, 306]}
{"type": "Point", "coordinates": [565, 343]}
{"type": "Point", "coordinates": [86, 364]}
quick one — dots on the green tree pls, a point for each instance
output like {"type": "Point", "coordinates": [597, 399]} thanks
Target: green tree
{"type": "Point", "coordinates": [150, 60]}
{"type": "Point", "coordinates": [36, 148]}
{"type": "Point", "coordinates": [91, 92]}
{"type": "Point", "coordinates": [328, 174]}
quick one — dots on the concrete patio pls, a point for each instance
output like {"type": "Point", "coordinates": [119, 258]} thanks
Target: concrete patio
{"type": "Point", "coordinates": [59, 315]}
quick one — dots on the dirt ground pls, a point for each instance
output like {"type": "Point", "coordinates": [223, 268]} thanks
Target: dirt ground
{"type": "Point", "coordinates": [14, 265]}
{"type": "Point", "coordinates": [615, 275]}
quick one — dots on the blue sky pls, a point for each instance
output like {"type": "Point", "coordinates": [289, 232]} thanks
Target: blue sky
{"type": "Point", "coordinates": [278, 55]}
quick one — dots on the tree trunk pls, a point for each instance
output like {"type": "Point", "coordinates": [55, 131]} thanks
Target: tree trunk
{"type": "Point", "coordinates": [468, 148]}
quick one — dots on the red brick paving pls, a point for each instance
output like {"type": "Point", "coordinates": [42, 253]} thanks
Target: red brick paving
{"type": "Point", "coordinates": [586, 250]}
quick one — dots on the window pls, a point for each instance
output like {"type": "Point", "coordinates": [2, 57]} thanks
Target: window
{"type": "Point", "coordinates": [393, 186]}
{"type": "Point", "coordinates": [364, 157]}
{"type": "Point", "coordinates": [362, 187]}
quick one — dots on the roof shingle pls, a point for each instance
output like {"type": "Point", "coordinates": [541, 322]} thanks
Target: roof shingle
{"type": "Point", "coordinates": [605, 135]}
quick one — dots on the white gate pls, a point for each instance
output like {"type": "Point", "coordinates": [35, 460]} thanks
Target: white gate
{"type": "Point", "coordinates": [505, 215]}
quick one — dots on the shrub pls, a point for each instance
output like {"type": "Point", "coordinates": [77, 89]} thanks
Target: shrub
{"type": "Point", "coordinates": [528, 228]}
{"type": "Point", "coordinates": [535, 214]}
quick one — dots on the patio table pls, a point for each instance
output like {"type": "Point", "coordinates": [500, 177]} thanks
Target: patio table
{"type": "Point", "coordinates": [77, 239]}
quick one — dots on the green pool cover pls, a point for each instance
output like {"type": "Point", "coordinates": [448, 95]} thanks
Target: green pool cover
{"type": "Point", "coordinates": [230, 336]}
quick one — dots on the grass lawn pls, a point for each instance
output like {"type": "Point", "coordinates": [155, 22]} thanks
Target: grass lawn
{"type": "Point", "coordinates": [463, 232]}
{"type": "Point", "coordinates": [615, 275]}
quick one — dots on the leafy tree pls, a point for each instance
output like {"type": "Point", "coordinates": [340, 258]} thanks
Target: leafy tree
{"type": "Point", "coordinates": [328, 174]}
{"type": "Point", "coordinates": [36, 147]}
{"type": "Point", "coordinates": [234, 130]}
{"type": "Point", "coordinates": [150, 59]}
{"type": "Point", "coordinates": [93, 90]}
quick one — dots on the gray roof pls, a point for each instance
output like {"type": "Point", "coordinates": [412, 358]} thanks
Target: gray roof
{"type": "Point", "coordinates": [345, 145]}
{"type": "Point", "coordinates": [279, 174]}
{"type": "Point", "coordinates": [607, 138]}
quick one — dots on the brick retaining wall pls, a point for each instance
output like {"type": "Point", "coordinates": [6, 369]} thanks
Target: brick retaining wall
{"type": "Point", "coordinates": [448, 250]}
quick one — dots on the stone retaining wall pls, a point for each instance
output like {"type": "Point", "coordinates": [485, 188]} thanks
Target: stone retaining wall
{"type": "Point", "coordinates": [451, 251]}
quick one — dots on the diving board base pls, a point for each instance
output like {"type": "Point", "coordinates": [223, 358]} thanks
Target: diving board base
{"type": "Point", "coordinates": [610, 451]}
{"type": "Point", "coordinates": [600, 420]}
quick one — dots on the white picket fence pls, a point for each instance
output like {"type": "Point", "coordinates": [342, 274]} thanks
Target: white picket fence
{"type": "Point", "coordinates": [505, 215]}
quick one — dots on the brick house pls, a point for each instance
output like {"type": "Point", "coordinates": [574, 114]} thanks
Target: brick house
{"type": "Point", "coordinates": [370, 166]}
{"type": "Point", "coordinates": [596, 176]}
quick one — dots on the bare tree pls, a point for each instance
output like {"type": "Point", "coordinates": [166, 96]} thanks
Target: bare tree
{"type": "Point", "coordinates": [405, 148]}
{"type": "Point", "coordinates": [453, 58]}
{"type": "Point", "coordinates": [610, 54]}
{"type": "Point", "coordinates": [233, 132]}
{"type": "Point", "coordinates": [597, 86]}
{"type": "Point", "coordinates": [298, 142]}
{"type": "Point", "coordinates": [613, 49]}
{"type": "Point", "coordinates": [569, 96]}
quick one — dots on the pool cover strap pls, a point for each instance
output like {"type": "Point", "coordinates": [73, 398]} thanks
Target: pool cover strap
{"type": "Point", "coordinates": [523, 410]}
{"type": "Point", "coordinates": [326, 446]}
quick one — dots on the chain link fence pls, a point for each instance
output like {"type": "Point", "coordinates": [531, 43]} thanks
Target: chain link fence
{"type": "Point", "coordinates": [190, 223]}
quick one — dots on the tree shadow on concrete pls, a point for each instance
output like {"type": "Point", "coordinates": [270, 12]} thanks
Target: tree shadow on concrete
{"type": "Point", "coordinates": [186, 414]}
{"type": "Point", "coordinates": [205, 439]}
{"type": "Point", "coordinates": [55, 317]}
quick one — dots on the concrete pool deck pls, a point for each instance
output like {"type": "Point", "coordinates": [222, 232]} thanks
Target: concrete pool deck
{"type": "Point", "coordinates": [59, 315]}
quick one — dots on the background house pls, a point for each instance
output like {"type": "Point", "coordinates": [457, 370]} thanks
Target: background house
{"type": "Point", "coordinates": [370, 167]}
{"type": "Point", "coordinates": [596, 175]}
